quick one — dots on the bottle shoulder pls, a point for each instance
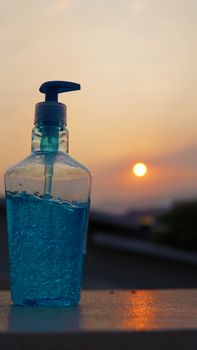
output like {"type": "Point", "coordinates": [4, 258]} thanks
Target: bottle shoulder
{"type": "Point", "coordinates": [21, 164]}
{"type": "Point", "coordinates": [33, 164]}
{"type": "Point", "coordinates": [65, 158]}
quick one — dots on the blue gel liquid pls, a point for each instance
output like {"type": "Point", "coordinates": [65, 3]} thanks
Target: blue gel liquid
{"type": "Point", "coordinates": [47, 239]}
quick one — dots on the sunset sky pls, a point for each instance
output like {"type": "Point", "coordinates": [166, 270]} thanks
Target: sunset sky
{"type": "Point", "coordinates": [136, 62]}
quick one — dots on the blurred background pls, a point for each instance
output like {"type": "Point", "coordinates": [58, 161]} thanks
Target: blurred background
{"type": "Point", "coordinates": [136, 61]}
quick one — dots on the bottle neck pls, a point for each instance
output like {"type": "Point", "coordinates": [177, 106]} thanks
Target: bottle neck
{"type": "Point", "coordinates": [49, 138]}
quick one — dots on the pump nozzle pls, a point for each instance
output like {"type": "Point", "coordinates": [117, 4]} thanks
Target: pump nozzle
{"type": "Point", "coordinates": [51, 89]}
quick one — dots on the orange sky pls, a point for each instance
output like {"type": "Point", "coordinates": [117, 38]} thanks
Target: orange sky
{"type": "Point", "coordinates": [136, 62]}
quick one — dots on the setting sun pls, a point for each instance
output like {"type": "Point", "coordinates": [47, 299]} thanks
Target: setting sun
{"type": "Point", "coordinates": [140, 169]}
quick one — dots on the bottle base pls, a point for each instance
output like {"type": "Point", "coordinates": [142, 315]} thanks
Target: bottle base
{"type": "Point", "coordinates": [46, 302]}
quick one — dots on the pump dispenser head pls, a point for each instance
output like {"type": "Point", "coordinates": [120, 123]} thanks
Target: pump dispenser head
{"type": "Point", "coordinates": [52, 112]}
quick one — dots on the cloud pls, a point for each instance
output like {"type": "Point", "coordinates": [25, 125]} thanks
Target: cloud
{"type": "Point", "coordinates": [185, 157]}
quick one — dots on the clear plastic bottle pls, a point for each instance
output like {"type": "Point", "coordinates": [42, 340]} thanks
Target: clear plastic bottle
{"type": "Point", "coordinates": [47, 200]}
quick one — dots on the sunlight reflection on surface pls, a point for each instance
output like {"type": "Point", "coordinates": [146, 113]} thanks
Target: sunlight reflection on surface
{"type": "Point", "coordinates": [140, 311]}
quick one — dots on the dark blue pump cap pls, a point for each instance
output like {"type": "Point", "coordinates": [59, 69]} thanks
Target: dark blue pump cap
{"type": "Point", "coordinates": [51, 89]}
{"type": "Point", "coordinates": [52, 112]}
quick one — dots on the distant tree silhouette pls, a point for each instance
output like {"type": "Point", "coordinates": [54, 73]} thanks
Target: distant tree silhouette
{"type": "Point", "coordinates": [180, 225]}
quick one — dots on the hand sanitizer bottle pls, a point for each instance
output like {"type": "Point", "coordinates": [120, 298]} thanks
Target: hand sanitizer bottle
{"type": "Point", "coordinates": [47, 199]}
